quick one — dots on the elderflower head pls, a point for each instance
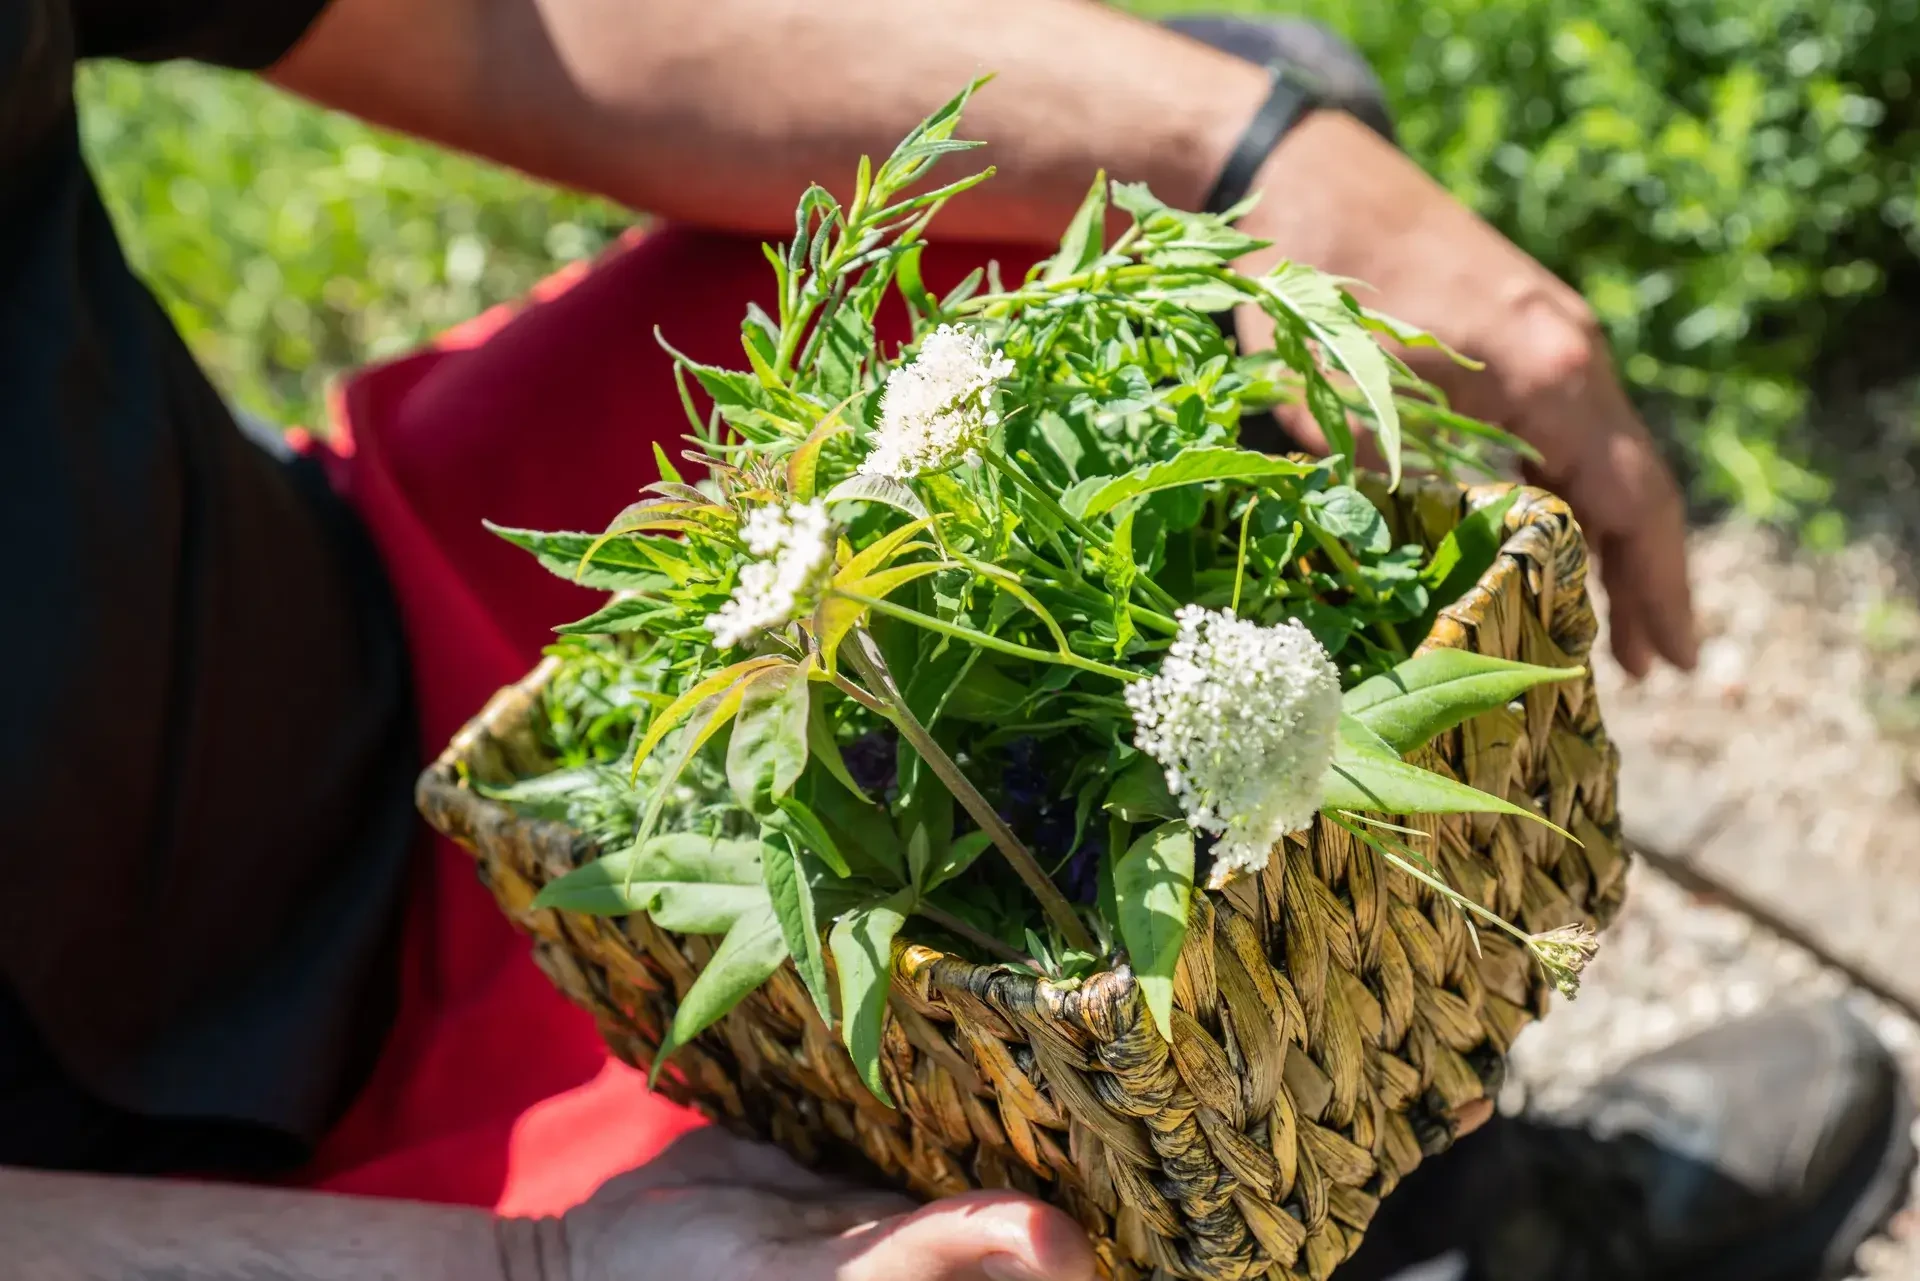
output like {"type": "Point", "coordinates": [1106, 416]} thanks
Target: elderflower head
{"type": "Point", "coordinates": [1244, 719]}
{"type": "Point", "coordinates": [793, 550]}
{"type": "Point", "coordinates": [1563, 954]}
{"type": "Point", "coordinates": [936, 409]}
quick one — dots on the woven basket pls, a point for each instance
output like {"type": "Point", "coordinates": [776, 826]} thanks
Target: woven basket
{"type": "Point", "coordinates": [1332, 1020]}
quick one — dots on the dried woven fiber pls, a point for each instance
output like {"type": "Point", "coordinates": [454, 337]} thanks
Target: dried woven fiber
{"type": "Point", "coordinates": [1333, 1022]}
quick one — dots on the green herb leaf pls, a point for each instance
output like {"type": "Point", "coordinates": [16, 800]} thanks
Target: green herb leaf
{"type": "Point", "coordinates": [1152, 883]}
{"type": "Point", "coordinates": [1432, 692]}
{"type": "Point", "coordinates": [768, 751]}
{"type": "Point", "coordinates": [1139, 793]}
{"type": "Point", "coordinates": [1350, 516]}
{"type": "Point", "coordinates": [797, 819]}
{"type": "Point", "coordinates": [754, 948]}
{"type": "Point", "coordinates": [1468, 550]}
{"type": "Point", "coordinates": [959, 856]}
{"type": "Point", "coordinates": [792, 900]}
{"type": "Point", "coordinates": [823, 747]}
{"type": "Point", "coordinates": [878, 489]}
{"type": "Point", "coordinates": [1367, 775]}
{"type": "Point", "coordinates": [686, 882]}
{"type": "Point", "coordinates": [1332, 318]}
{"type": "Point", "coordinates": [616, 566]}
{"type": "Point", "coordinates": [622, 614]}
{"type": "Point", "coordinates": [1190, 467]}
{"type": "Point", "coordinates": [862, 943]}
{"type": "Point", "coordinates": [1080, 247]}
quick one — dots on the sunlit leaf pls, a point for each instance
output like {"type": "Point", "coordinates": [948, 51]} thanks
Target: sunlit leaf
{"type": "Point", "coordinates": [1190, 467]}
{"type": "Point", "coordinates": [1432, 692]}
{"type": "Point", "coordinates": [878, 489]}
{"type": "Point", "coordinates": [754, 948]}
{"type": "Point", "coordinates": [686, 882]}
{"type": "Point", "coordinates": [1316, 299]}
{"type": "Point", "coordinates": [862, 944]}
{"type": "Point", "coordinates": [1152, 883]}
{"type": "Point", "coordinates": [793, 907]}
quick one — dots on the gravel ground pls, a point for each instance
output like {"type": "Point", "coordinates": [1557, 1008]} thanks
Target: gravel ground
{"type": "Point", "coordinates": [1785, 767]}
{"type": "Point", "coordinates": [1675, 963]}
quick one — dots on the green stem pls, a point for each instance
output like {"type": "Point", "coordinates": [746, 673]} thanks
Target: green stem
{"type": "Point", "coordinates": [1072, 578]}
{"type": "Point", "coordinates": [1052, 505]}
{"type": "Point", "coordinates": [1240, 561]}
{"type": "Point", "coordinates": [1002, 464]}
{"type": "Point", "coordinates": [1433, 883]}
{"type": "Point", "coordinates": [866, 660]}
{"type": "Point", "coordinates": [985, 641]}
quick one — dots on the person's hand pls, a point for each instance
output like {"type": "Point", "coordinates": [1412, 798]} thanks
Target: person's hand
{"type": "Point", "coordinates": [1343, 199]}
{"type": "Point", "coordinates": [714, 1208]}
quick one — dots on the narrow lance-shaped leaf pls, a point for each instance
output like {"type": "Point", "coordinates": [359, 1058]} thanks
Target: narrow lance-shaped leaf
{"type": "Point", "coordinates": [621, 614]}
{"type": "Point", "coordinates": [717, 710]}
{"type": "Point", "coordinates": [617, 566]}
{"type": "Point", "coordinates": [1467, 551]}
{"type": "Point", "coordinates": [1080, 247]}
{"type": "Point", "coordinates": [876, 554]}
{"type": "Point", "coordinates": [878, 489]}
{"type": "Point", "coordinates": [1367, 775]}
{"type": "Point", "coordinates": [754, 948]}
{"type": "Point", "coordinates": [836, 614]}
{"type": "Point", "coordinates": [1152, 883]}
{"type": "Point", "coordinates": [664, 723]}
{"type": "Point", "coordinates": [667, 470]}
{"type": "Point", "coordinates": [823, 747]}
{"type": "Point", "coordinates": [1190, 467]}
{"type": "Point", "coordinates": [797, 819]}
{"type": "Point", "coordinates": [862, 944]}
{"type": "Point", "coordinates": [804, 465]}
{"type": "Point", "coordinates": [793, 907]}
{"type": "Point", "coordinates": [1432, 692]}
{"type": "Point", "coordinates": [1316, 299]}
{"type": "Point", "coordinates": [959, 856]}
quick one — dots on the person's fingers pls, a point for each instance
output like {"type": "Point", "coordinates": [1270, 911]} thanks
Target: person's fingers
{"type": "Point", "coordinates": [1626, 631]}
{"type": "Point", "coordinates": [1655, 553]}
{"type": "Point", "coordinates": [981, 1236]}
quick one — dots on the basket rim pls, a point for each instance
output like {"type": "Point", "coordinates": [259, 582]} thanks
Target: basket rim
{"type": "Point", "coordinates": [443, 795]}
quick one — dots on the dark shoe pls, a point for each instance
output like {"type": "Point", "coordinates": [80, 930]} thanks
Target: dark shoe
{"type": "Point", "coordinates": [1765, 1149]}
{"type": "Point", "coordinates": [1337, 71]}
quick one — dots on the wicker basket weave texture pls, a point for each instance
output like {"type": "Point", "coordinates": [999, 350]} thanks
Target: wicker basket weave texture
{"type": "Point", "coordinates": [1333, 1021]}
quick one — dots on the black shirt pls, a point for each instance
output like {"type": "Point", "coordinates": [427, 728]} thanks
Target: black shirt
{"type": "Point", "coordinates": [206, 748]}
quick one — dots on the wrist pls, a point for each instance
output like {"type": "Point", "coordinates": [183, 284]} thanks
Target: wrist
{"type": "Point", "coordinates": [532, 1249]}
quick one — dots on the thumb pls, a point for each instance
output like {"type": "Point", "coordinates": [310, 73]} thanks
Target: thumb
{"type": "Point", "coordinates": [981, 1236]}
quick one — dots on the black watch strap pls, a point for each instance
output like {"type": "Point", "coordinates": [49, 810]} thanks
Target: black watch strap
{"type": "Point", "coordinates": [1290, 98]}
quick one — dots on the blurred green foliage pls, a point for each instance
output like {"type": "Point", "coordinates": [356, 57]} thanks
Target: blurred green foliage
{"type": "Point", "coordinates": [1733, 184]}
{"type": "Point", "coordinates": [289, 243]}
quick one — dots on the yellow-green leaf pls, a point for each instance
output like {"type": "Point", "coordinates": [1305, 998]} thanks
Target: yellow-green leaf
{"type": "Point", "coordinates": [677, 711]}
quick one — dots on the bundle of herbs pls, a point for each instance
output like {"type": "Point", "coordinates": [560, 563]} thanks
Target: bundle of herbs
{"type": "Point", "coordinates": [1002, 641]}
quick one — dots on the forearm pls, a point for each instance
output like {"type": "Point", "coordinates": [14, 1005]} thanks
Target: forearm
{"type": "Point", "coordinates": [78, 1228]}
{"type": "Point", "coordinates": [721, 111]}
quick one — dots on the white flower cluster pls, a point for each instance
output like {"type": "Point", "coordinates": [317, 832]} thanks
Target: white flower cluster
{"type": "Point", "coordinates": [1244, 718]}
{"type": "Point", "coordinates": [793, 546]}
{"type": "Point", "coordinates": [936, 409]}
